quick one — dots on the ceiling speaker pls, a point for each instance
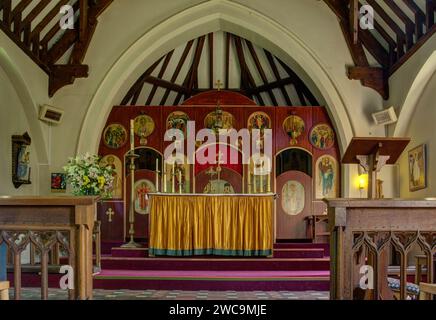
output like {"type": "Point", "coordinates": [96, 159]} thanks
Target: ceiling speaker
{"type": "Point", "coordinates": [50, 114]}
{"type": "Point", "coordinates": [385, 117]}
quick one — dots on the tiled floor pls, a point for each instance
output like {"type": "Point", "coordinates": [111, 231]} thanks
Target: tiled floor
{"type": "Point", "coordinates": [56, 294]}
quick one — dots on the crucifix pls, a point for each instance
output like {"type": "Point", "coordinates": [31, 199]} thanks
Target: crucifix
{"type": "Point", "coordinates": [110, 213]}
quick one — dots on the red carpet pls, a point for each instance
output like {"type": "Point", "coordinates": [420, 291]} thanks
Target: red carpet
{"type": "Point", "coordinates": [294, 267]}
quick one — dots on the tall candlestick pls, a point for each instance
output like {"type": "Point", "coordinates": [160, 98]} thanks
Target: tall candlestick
{"type": "Point", "coordinates": [249, 182]}
{"type": "Point", "coordinates": [157, 175]}
{"type": "Point", "coordinates": [173, 181]}
{"type": "Point", "coordinates": [261, 183]}
{"type": "Point", "coordinates": [164, 177]}
{"type": "Point", "coordinates": [132, 134]}
{"type": "Point", "coordinates": [269, 183]}
{"type": "Point", "coordinates": [180, 182]}
{"type": "Point", "coordinates": [254, 184]}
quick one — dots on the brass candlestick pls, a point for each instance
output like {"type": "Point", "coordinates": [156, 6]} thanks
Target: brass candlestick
{"type": "Point", "coordinates": [132, 244]}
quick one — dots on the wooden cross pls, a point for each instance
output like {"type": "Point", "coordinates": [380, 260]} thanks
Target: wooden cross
{"type": "Point", "coordinates": [110, 213]}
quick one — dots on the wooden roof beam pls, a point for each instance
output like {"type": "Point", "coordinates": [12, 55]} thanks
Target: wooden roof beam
{"type": "Point", "coordinates": [261, 71]}
{"type": "Point", "coordinates": [276, 73]}
{"type": "Point", "coordinates": [401, 36]}
{"type": "Point", "coordinates": [177, 70]}
{"type": "Point", "coordinates": [409, 24]}
{"type": "Point", "coordinates": [160, 75]}
{"type": "Point", "coordinates": [419, 17]}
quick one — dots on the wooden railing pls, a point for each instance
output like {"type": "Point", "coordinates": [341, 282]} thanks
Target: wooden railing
{"type": "Point", "coordinates": [370, 232]}
{"type": "Point", "coordinates": [55, 230]}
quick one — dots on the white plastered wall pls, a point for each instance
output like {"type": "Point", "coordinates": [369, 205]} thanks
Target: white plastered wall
{"type": "Point", "coordinates": [119, 53]}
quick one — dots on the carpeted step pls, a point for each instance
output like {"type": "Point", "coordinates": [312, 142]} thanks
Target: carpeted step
{"type": "Point", "coordinates": [213, 280]}
{"type": "Point", "coordinates": [228, 264]}
{"type": "Point", "coordinates": [278, 253]}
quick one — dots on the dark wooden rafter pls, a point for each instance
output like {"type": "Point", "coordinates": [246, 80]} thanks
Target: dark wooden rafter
{"type": "Point", "coordinates": [20, 30]}
{"type": "Point", "coordinates": [135, 90]}
{"type": "Point", "coordinates": [261, 71]}
{"type": "Point", "coordinates": [178, 69]}
{"type": "Point", "coordinates": [276, 73]}
{"type": "Point", "coordinates": [244, 49]}
{"type": "Point", "coordinates": [411, 32]}
{"type": "Point", "coordinates": [247, 81]}
{"type": "Point", "coordinates": [192, 76]}
{"type": "Point", "coordinates": [373, 77]}
{"type": "Point", "coordinates": [160, 75]}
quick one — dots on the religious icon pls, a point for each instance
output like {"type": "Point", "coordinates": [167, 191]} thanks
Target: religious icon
{"type": "Point", "coordinates": [58, 183]}
{"type": "Point", "coordinates": [115, 163]}
{"type": "Point", "coordinates": [142, 189]}
{"type": "Point", "coordinates": [322, 136]}
{"type": "Point", "coordinates": [259, 120]}
{"type": "Point", "coordinates": [178, 120]}
{"type": "Point", "coordinates": [293, 198]}
{"type": "Point", "coordinates": [326, 177]}
{"type": "Point", "coordinates": [418, 168]}
{"type": "Point", "coordinates": [115, 136]}
{"type": "Point", "coordinates": [294, 127]}
{"type": "Point", "coordinates": [144, 127]}
{"type": "Point", "coordinates": [23, 167]}
{"type": "Point", "coordinates": [219, 120]}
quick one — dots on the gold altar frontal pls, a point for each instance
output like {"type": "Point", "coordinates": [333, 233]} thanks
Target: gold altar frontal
{"type": "Point", "coordinates": [224, 225]}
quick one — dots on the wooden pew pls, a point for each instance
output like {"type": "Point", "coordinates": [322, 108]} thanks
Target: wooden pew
{"type": "Point", "coordinates": [4, 290]}
{"type": "Point", "coordinates": [49, 223]}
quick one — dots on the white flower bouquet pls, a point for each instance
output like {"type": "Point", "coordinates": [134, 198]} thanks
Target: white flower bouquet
{"type": "Point", "coordinates": [88, 177]}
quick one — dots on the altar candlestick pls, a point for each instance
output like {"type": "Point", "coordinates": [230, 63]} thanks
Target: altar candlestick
{"type": "Point", "coordinates": [164, 177]}
{"type": "Point", "coordinates": [173, 181]}
{"type": "Point", "coordinates": [261, 183]}
{"type": "Point", "coordinates": [269, 183]}
{"type": "Point", "coordinates": [180, 182]}
{"type": "Point", "coordinates": [249, 183]}
{"type": "Point", "coordinates": [254, 184]}
{"type": "Point", "coordinates": [157, 175]}
{"type": "Point", "coordinates": [132, 134]}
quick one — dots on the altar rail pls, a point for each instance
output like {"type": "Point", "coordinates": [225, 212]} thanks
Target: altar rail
{"type": "Point", "coordinates": [49, 226]}
{"type": "Point", "coordinates": [365, 232]}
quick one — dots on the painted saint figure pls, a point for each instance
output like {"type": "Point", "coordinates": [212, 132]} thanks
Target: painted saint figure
{"type": "Point", "coordinates": [326, 172]}
{"type": "Point", "coordinates": [142, 198]}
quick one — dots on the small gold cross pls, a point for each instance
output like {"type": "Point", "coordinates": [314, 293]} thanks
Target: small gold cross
{"type": "Point", "coordinates": [219, 84]}
{"type": "Point", "coordinates": [110, 213]}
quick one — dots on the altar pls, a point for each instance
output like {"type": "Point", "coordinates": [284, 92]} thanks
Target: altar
{"type": "Point", "coordinates": [206, 224]}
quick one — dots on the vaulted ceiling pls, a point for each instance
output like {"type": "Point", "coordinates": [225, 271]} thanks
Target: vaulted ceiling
{"type": "Point", "coordinates": [401, 27]}
{"type": "Point", "coordinates": [198, 65]}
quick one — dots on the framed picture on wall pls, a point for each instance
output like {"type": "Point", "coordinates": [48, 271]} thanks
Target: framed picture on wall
{"type": "Point", "coordinates": [418, 168]}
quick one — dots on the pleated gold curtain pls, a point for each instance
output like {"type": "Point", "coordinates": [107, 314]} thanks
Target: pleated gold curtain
{"type": "Point", "coordinates": [211, 225]}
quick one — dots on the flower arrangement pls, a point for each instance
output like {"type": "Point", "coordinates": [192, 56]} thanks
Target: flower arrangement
{"type": "Point", "coordinates": [88, 177]}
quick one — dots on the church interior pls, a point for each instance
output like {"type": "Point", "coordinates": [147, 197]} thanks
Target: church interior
{"type": "Point", "coordinates": [228, 149]}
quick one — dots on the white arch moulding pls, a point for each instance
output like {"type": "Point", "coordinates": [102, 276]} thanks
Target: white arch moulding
{"type": "Point", "coordinates": [212, 16]}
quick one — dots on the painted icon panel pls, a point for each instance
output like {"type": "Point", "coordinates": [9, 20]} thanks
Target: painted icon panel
{"type": "Point", "coordinates": [293, 198]}
{"type": "Point", "coordinates": [142, 189]}
{"type": "Point", "coordinates": [322, 136]}
{"type": "Point", "coordinates": [115, 163]}
{"type": "Point", "coordinates": [294, 127]}
{"type": "Point", "coordinates": [326, 179]}
{"type": "Point", "coordinates": [115, 136]}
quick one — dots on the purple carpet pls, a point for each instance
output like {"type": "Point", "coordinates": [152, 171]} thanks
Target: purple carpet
{"type": "Point", "coordinates": [294, 267]}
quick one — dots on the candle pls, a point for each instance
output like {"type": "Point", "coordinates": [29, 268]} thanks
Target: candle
{"type": "Point", "coordinates": [254, 184]}
{"type": "Point", "coordinates": [269, 183]}
{"type": "Point", "coordinates": [173, 180]}
{"type": "Point", "coordinates": [157, 175]}
{"type": "Point", "coordinates": [261, 183]}
{"type": "Point", "coordinates": [132, 134]}
{"type": "Point", "coordinates": [180, 182]}
{"type": "Point", "coordinates": [165, 177]}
